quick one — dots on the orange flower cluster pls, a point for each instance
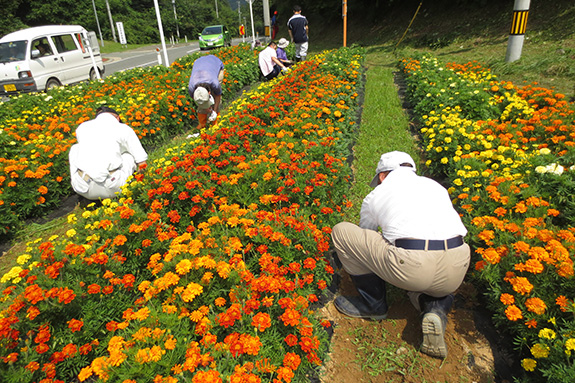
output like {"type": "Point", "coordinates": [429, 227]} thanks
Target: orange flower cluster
{"type": "Point", "coordinates": [513, 177]}
{"type": "Point", "coordinates": [38, 131]}
{"type": "Point", "coordinates": [203, 264]}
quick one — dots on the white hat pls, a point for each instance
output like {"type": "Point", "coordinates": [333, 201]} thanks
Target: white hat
{"type": "Point", "coordinates": [203, 98]}
{"type": "Point", "coordinates": [283, 43]}
{"type": "Point", "coordinates": [391, 161]}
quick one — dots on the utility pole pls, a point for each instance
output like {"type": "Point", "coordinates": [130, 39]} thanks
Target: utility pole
{"type": "Point", "coordinates": [518, 28]}
{"type": "Point", "coordinates": [159, 17]}
{"type": "Point", "coordinates": [266, 6]}
{"type": "Point", "coordinates": [239, 13]}
{"type": "Point", "coordinates": [217, 15]}
{"type": "Point", "coordinates": [176, 17]}
{"type": "Point", "coordinates": [98, 22]}
{"type": "Point", "coordinates": [344, 23]}
{"type": "Point", "coordinates": [252, 17]}
{"type": "Point", "coordinates": [111, 21]}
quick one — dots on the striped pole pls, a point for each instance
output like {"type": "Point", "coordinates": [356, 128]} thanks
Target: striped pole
{"type": "Point", "coordinates": [518, 28]}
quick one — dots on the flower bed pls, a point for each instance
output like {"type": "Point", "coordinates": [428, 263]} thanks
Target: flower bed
{"type": "Point", "coordinates": [507, 156]}
{"type": "Point", "coordinates": [211, 265]}
{"type": "Point", "coordinates": [37, 130]}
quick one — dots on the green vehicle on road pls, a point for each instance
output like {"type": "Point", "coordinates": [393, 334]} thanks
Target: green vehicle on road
{"type": "Point", "coordinates": [215, 36]}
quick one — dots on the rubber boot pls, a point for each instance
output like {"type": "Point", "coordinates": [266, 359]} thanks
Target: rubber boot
{"type": "Point", "coordinates": [371, 302]}
{"type": "Point", "coordinates": [433, 324]}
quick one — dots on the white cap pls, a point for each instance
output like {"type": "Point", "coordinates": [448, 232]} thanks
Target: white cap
{"type": "Point", "coordinates": [391, 161]}
{"type": "Point", "coordinates": [203, 98]}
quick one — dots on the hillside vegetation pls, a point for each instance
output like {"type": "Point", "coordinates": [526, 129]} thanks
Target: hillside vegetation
{"type": "Point", "coordinates": [466, 31]}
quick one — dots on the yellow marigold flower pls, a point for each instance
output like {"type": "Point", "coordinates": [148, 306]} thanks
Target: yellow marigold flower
{"type": "Point", "coordinates": [529, 364]}
{"type": "Point", "coordinates": [23, 259]}
{"type": "Point", "coordinates": [540, 350]}
{"type": "Point", "coordinates": [570, 344]}
{"type": "Point", "coordinates": [72, 218]}
{"type": "Point", "coordinates": [547, 333]}
{"type": "Point", "coordinates": [70, 233]}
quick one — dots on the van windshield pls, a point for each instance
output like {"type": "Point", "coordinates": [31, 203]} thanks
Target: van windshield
{"type": "Point", "coordinates": [12, 51]}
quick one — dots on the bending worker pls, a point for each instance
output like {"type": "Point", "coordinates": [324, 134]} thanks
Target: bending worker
{"type": "Point", "coordinates": [420, 248]}
{"type": "Point", "coordinates": [106, 154]}
{"type": "Point", "coordinates": [205, 87]}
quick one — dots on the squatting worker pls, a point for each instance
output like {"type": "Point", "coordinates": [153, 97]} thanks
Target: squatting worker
{"type": "Point", "coordinates": [420, 248]}
{"type": "Point", "coordinates": [106, 154]}
{"type": "Point", "coordinates": [205, 87]}
{"type": "Point", "coordinates": [270, 65]}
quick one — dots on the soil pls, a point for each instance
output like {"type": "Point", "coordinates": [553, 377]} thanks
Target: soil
{"type": "Point", "coordinates": [387, 350]}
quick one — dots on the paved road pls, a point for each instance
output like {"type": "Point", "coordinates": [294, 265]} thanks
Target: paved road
{"type": "Point", "coordinates": [148, 56]}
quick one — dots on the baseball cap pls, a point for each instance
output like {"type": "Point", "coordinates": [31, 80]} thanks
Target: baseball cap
{"type": "Point", "coordinates": [391, 161]}
{"type": "Point", "coordinates": [203, 98]}
{"type": "Point", "coordinates": [283, 43]}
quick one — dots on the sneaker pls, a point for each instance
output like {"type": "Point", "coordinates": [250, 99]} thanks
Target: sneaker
{"type": "Point", "coordinates": [433, 328]}
{"type": "Point", "coordinates": [355, 307]}
{"type": "Point", "coordinates": [213, 116]}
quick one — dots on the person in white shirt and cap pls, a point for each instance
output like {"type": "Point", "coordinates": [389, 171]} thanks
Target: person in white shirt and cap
{"type": "Point", "coordinates": [420, 248]}
{"type": "Point", "coordinates": [205, 87]}
{"type": "Point", "coordinates": [270, 66]}
{"type": "Point", "coordinates": [107, 153]}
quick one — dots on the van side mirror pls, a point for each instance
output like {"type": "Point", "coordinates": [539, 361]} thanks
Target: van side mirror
{"type": "Point", "coordinates": [35, 53]}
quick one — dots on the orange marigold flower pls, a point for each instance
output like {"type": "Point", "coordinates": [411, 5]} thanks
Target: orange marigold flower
{"type": "Point", "coordinates": [85, 373]}
{"type": "Point", "coordinates": [75, 325]}
{"type": "Point", "coordinates": [261, 321]}
{"type": "Point", "coordinates": [220, 301]}
{"type": "Point", "coordinates": [521, 285]}
{"type": "Point", "coordinates": [513, 313]}
{"type": "Point", "coordinates": [562, 302]}
{"type": "Point", "coordinates": [291, 340]}
{"type": "Point", "coordinates": [536, 305]}
{"type": "Point", "coordinates": [532, 323]}
{"type": "Point", "coordinates": [42, 348]}
{"type": "Point", "coordinates": [210, 376]}
{"type": "Point", "coordinates": [32, 366]}
{"type": "Point", "coordinates": [120, 240]}
{"type": "Point", "coordinates": [492, 256]}
{"type": "Point", "coordinates": [291, 317]}
{"type": "Point", "coordinates": [507, 299]}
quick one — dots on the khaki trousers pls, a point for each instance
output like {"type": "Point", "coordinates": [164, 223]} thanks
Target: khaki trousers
{"type": "Point", "coordinates": [433, 272]}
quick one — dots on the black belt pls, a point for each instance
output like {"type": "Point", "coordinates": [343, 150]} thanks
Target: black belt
{"type": "Point", "coordinates": [432, 244]}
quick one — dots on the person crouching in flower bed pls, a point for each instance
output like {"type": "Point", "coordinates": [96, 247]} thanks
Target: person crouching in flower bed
{"type": "Point", "coordinates": [205, 87]}
{"type": "Point", "coordinates": [107, 153]}
{"type": "Point", "coordinates": [270, 66]}
{"type": "Point", "coordinates": [420, 249]}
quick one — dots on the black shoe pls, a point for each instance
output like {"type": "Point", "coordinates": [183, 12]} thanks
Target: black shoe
{"type": "Point", "coordinates": [433, 324]}
{"type": "Point", "coordinates": [371, 302]}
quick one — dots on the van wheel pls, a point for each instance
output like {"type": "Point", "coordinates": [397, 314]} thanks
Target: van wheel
{"type": "Point", "coordinates": [52, 83]}
{"type": "Point", "coordinates": [93, 74]}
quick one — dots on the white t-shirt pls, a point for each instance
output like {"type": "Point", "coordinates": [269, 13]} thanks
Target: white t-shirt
{"type": "Point", "coordinates": [101, 143]}
{"type": "Point", "coordinates": [406, 205]}
{"type": "Point", "coordinates": [265, 60]}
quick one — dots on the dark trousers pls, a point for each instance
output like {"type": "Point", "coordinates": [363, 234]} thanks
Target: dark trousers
{"type": "Point", "coordinates": [274, 73]}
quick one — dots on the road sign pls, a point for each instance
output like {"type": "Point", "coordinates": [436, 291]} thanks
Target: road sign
{"type": "Point", "coordinates": [121, 34]}
{"type": "Point", "coordinates": [242, 30]}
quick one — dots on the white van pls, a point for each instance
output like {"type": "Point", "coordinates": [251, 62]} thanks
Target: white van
{"type": "Point", "coordinates": [40, 58]}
